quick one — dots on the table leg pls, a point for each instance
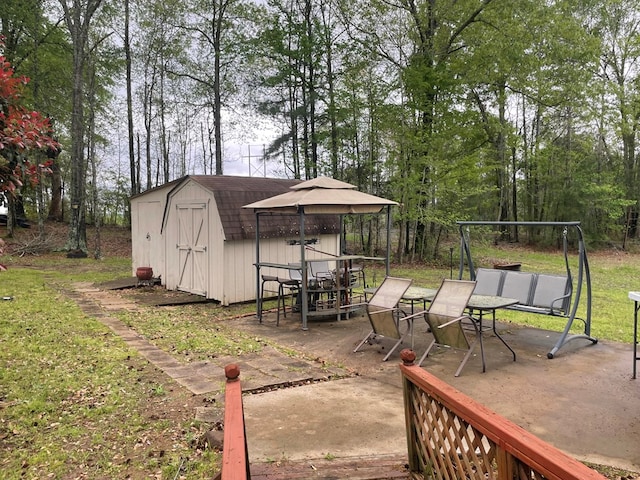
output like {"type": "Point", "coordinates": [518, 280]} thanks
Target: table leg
{"type": "Point", "coordinates": [484, 366]}
{"type": "Point", "coordinates": [636, 305]}
{"type": "Point", "coordinates": [500, 336]}
{"type": "Point", "coordinates": [477, 325]}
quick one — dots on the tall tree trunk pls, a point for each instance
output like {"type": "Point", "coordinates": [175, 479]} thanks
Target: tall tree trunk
{"type": "Point", "coordinates": [164, 134]}
{"type": "Point", "coordinates": [127, 51]}
{"type": "Point", "coordinates": [40, 203]}
{"type": "Point", "coordinates": [217, 95]}
{"type": "Point", "coordinates": [311, 94]}
{"type": "Point", "coordinates": [55, 204]}
{"type": "Point", "coordinates": [333, 123]}
{"type": "Point", "coordinates": [91, 155]}
{"type": "Point", "coordinates": [293, 126]}
{"type": "Point", "coordinates": [77, 16]}
{"type": "Point", "coordinates": [11, 215]}
{"type": "Point", "coordinates": [76, 243]}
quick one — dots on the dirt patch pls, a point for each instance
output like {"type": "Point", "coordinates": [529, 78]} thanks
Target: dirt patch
{"type": "Point", "coordinates": [112, 241]}
{"type": "Point", "coordinates": [158, 296]}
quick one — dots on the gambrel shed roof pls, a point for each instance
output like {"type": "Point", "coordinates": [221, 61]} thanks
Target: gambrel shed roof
{"type": "Point", "coordinates": [231, 193]}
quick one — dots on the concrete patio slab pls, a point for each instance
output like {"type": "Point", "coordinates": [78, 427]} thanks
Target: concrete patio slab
{"type": "Point", "coordinates": [583, 401]}
{"type": "Point", "coordinates": [349, 405]}
{"type": "Point", "coordinates": [347, 417]}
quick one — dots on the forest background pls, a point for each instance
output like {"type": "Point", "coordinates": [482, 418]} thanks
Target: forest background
{"type": "Point", "coordinates": [469, 109]}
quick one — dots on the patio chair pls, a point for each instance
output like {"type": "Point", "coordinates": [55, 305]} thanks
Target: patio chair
{"type": "Point", "coordinates": [445, 316]}
{"type": "Point", "coordinates": [385, 315]}
{"type": "Point", "coordinates": [267, 279]}
{"type": "Point", "coordinates": [320, 272]}
{"type": "Point", "coordinates": [292, 284]}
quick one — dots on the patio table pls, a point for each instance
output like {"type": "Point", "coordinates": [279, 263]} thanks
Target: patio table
{"type": "Point", "coordinates": [489, 303]}
{"type": "Point", "coordinates": [338, 293]}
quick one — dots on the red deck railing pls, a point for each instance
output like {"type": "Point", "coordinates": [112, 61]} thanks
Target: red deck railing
{"type": "Point", "coordinates": [235, 456]}
{"type": "Point", "coordinates": [452, 436]}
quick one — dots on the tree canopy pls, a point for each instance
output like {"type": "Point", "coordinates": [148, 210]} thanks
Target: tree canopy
{"type": "Point", "coordinates": [458, 110]}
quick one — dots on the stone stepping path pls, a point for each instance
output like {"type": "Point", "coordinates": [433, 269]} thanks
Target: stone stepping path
{"type": "Point", "coordinates": [264, 371]}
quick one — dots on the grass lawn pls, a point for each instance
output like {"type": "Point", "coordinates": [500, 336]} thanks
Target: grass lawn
{"type": "Point", "coordinates": [76, 402]}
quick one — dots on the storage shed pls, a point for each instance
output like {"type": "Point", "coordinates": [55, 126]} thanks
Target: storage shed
{"type": "Point", "coordinates": [196, 237]}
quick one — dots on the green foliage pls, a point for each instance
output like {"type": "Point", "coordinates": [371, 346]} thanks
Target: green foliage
{"type": "Point", "coordinates": [480, 110]}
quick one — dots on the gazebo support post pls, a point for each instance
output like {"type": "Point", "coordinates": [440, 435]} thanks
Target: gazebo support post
{"type": "Point", "coordinates": [387, 265]}
{"type": "Point", "coordinates": [304, 301]}
{"type": "Point", "coordinates": [343, 240]}
{"type": "Point", "coordinates": [259, 299]}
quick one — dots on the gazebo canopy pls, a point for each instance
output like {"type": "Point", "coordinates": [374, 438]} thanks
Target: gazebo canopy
{"type": "Point", "coordinates": [322, 195]}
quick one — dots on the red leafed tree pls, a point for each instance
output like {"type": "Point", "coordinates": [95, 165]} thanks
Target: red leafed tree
{"type": "Point", "coordinates": [22, 132]}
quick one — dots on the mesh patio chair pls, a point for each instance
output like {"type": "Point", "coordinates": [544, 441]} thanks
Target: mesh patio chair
{"type": "Point", "coordinates": [385, 315]}
{"type": "Point", "coordinates": [320, 272]}
{"type": "Point", "coordinates": [445, 316]}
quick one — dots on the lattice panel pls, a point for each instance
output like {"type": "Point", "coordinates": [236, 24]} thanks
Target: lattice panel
{"type": "Point", "coordinates": [448, 448]}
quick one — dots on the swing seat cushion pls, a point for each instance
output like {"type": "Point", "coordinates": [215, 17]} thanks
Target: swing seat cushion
{"type": "Point", "coordinates": [536, 292]}
{"type": "Point", "coordinates": [518, 285]}
{"type": "Point", "coordinates": [488, 282]}
{"type": "Point", "coordinates": [552, 293]}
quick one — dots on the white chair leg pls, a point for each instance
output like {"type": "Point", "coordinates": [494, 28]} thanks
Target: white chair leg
{"type": "Point", "coordinates": [366, 339]}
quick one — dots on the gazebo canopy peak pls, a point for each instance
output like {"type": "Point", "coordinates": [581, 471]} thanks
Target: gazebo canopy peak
{"type": "Point", "coordinates": [322, 195]}
{"type": "Point", "coordinates": [323, 182]}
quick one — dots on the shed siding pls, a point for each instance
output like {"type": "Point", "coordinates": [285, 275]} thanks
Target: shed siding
{"type": "Point", "coordinates": [240, 258]}
{"type": "Point", "coordinates": [218, 275]}
{"type": "Point", "coordinates": [147, 244]}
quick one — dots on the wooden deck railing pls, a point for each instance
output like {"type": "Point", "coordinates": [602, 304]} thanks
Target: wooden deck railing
{"type": "Point", "coordinates": [450, 436]}
{"type": "Point", "coordinates": [235, 456]}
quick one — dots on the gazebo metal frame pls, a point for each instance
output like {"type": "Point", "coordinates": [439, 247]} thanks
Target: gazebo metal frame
{"type": "Point", "coordinates": [319, 196]}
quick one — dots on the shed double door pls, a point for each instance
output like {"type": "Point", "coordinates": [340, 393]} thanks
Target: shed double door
{"type": "Point", "coordinates": [193, 238]}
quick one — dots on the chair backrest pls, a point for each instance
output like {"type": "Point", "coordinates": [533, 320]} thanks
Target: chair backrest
{"type": "Point", "coordinates": [320, 270]}
{"type": "Point", "coordinates": [449, 303]}
{"type": "Point", "coordinates": [390, 292]}
{"type": "Point", "coordinates": [488, 281]}
{"type": "Point", "coordinates": [549, 289]}
{"type": "Point", "coordinates": [518, 285]}
{"type": "Point", "coordinates": [381, 308]}
{"type": "Point", "coordinates": [294, 272]}
{"type": "Point", "coordinates": [452, 297]}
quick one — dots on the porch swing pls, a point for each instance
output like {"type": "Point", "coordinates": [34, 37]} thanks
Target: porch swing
{"type": "Point", "coordinates": [538, 280]}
